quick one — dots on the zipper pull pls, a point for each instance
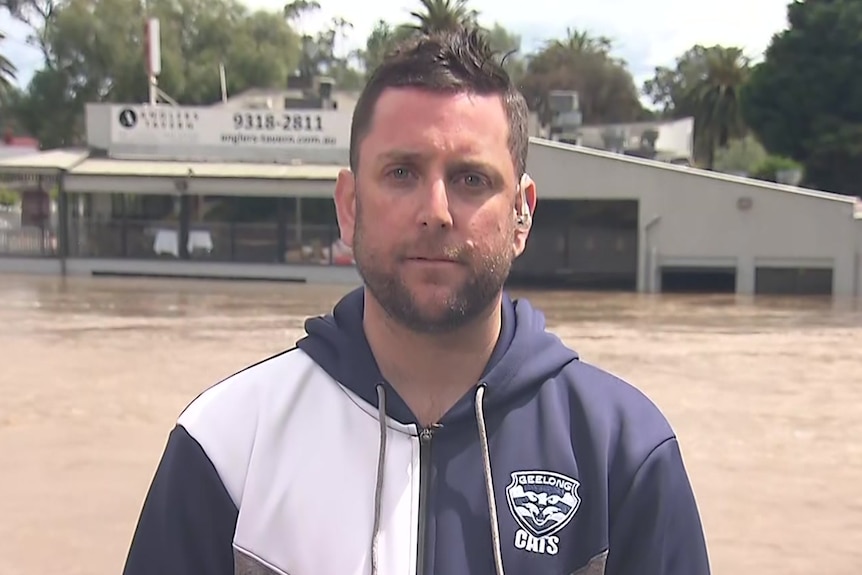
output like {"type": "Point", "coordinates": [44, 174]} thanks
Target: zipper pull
{"type": "Point", "coordinates": [427, 433]}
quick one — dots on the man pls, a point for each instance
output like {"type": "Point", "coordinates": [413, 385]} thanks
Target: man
{"type": "Point", "coordinates": [430, 425]}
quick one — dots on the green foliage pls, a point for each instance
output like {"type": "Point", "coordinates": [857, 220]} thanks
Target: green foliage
{"type": "Point", "coordinates": [584, 63]}
{"type": "Point", "coordinates": [705, 84]}
{"type": "Point", "coordinates": [94, 53]}
{"type": "Point", "coordinates": [383, 38]}
{"type": "Point", "coordinates": [9, 197]}
{"type": "Point", "coordinates": [740, 156]}
{"type": "Point", "coordinates": [442, 15]}
{"type": "Point", "coordinates": [771, 166]}
{"type": "Point", "coordinates": [804, 100]}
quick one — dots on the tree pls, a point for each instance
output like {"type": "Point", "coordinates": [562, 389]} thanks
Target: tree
{"type": "Point", "coordinates": [384, 36]}
{"type": "Point", "coordinates": [508, 46]}
{"type": "Point", "coordinates": [583, 63]}
{"type": "Point", "coordinates": [441, 15]}
{"type": "Point", "coordinates": [8, 71]}
{"type": "Point", "coordinates": [741, 156]}
{"type": "Point", "coordinates": [38, 16]}
{"type": "Point", "coordinates": [775, 169]}
{"type": "Point", "coordinates": [95, 55]}
{"type": "Point", "coordinates": [715, 101]}
{"type": "Point", "coordinates": [705, 84]}
{"type": "Point", "coordinates": [670, 89]}
{"type": "Point", "coordinates": [296, 10]}
{"type": "Point", "coordinates": [50, 110]}
{"type": "Point", "coordinates": [804, 100]}
{"type": "Point", "coordinates": [381, 41]}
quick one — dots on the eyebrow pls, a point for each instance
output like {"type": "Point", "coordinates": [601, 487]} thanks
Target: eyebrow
{"type": "Point", "coordinates": [417, 157]}
{"type": "Point", "coordinates": [400, 156]}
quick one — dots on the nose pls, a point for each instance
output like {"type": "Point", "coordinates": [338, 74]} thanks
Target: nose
{"type": "Point", "coordinates": [434, 210]}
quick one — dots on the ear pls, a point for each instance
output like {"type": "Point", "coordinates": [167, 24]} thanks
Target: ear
{"type": "Point", "coordinates": [527, 196]}
{"type": "Point", "coordinates": [345, 205]}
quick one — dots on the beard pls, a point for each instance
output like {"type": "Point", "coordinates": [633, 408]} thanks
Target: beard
{"type": "Point", "coordinates": [465, 302]}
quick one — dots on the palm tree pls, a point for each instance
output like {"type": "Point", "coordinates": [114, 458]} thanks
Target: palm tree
{"type": "Point", "coordinates": [583, 42]}
{"type": "Point", "coordinates": [443, 15]}
{"type": "Point", "coordinates": [714, 100]}
{"type": "Point", "coordinates": [380, 41]}
{"type": "Point", "coordinates": [583, 63]}
{"type": "Point", "coordinates": [294, 11]}
{"type": "Point", "coordinates": [8, 73]}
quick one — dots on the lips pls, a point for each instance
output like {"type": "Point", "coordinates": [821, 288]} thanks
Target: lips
{"type": "Point", "coordinates": [433, 259]}
{"type": "Point", "coordinates": [436, 259]}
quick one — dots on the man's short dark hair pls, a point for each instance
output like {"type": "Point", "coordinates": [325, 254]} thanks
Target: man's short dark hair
{"type": "Point", "coordinates": [454, 62]}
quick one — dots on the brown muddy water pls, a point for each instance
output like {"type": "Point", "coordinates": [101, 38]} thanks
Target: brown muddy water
{"type": "Point", "coordinates": [765, 394]}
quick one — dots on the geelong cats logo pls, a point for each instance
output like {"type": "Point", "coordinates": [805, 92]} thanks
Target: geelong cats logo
{"type": "Point", "coordinates": [542, 503]}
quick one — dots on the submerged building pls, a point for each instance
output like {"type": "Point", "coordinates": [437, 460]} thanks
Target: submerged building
{"type": "Point", "coordinates": [246, 192]}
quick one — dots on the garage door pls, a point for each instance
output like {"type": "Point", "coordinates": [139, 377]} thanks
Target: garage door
{"type": "Point", "coordinates": [793, 281]}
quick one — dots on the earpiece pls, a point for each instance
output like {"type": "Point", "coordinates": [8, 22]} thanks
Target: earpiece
{"type": "Point", "coordinates": [523, 216]}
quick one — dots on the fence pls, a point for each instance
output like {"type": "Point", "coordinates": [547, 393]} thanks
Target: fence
{"type": "Point", "coordinates": [213, 241]}
{"type": "Point", "coordinates": [31, 241]}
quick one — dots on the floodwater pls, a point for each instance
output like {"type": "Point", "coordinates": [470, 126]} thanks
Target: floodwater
{"type": "Point", "coordinates": [766, 396]}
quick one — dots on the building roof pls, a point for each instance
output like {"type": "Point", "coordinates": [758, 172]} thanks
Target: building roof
{"type": "Point", "coordinates": [77, 162]}
{"type": "Point", "coordinates": [656, 165]}
{"type": "Point", "coordinates": [43, 163]}
{"type": "Point", "coordinates": [170, 169]}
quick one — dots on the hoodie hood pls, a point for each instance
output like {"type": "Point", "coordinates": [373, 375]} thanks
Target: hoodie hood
{"type": "Point", "coordinates": [525, 356]}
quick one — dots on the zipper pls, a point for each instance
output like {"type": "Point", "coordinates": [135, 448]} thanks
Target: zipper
{"type": "Point", "coordinates": [425, 437]}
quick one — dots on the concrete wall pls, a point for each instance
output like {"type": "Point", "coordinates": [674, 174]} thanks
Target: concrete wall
{"type": "Point", "coordinates": [691, 217]}
{"type": "Point", "coordinates": [858, 290]}
{"type": "Point", "coordinates": [30, 265]}
{"type": "Point", "coordinates": [166, 268]}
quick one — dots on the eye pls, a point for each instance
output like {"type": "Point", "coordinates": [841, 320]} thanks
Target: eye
{"type": "Point", "coordinates": [474, 180]}
{"type": "Point", "coordinates": [400, 173]}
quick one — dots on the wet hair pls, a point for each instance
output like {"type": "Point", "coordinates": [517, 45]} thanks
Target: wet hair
{"type": "Point", "coordinates": [453, 62]}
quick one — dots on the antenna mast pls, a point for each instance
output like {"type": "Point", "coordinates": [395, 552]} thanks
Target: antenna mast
{"type": "Point", "coordinates": [153, 61]}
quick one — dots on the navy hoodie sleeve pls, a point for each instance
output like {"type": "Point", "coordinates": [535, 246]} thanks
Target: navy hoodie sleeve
{"type": "Point", "coordinates": [658, 528]}
{"type": "Point", "coordinates": [187, 523]}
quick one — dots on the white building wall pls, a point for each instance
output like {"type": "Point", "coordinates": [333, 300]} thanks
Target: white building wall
{"type": "Point", "coordinates": [692, 217]}
{"type": "Point", "coordinates": [858, 285]}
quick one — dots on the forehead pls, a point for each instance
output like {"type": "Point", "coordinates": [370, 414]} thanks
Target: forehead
{"type": "Point", "coordinates": [435, 124]}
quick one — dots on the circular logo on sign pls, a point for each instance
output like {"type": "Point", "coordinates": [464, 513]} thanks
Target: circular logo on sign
{"type": "Point", "coordinates": [128, 118]}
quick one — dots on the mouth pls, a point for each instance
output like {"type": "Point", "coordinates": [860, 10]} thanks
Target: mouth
{"type": "Point", "coordinates": [431, 260]}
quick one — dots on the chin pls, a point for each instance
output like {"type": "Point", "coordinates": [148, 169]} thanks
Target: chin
{"type": "Point", "coordinates": [434, 319]}
{"type": "Point", "coordinates": [434, 295]}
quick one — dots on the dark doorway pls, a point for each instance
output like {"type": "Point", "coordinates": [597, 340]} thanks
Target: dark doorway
{"type": "Point", "coordinates": [698, 280]}
{"type": "Point", "coordinates": [581, 244]}
{"type": "Point", "coordinates": [793, 281]}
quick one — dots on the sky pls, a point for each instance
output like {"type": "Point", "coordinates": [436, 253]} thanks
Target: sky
{"type": "Point", "coordinates": [646, 33]}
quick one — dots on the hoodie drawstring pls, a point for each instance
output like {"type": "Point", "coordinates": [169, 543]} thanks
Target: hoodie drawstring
{"type": "Point", "coordinates": [489, 478]}
{"type": "Point", "coordinates": [378, 489]}
{"type": "Point", "coordinates": [486, 467]}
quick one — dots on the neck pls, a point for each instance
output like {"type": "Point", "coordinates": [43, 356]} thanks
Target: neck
{"type": "Point", "coordinates": [431, 372]}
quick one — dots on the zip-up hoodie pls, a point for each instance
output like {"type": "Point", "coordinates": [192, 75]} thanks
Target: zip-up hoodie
{"type": "Point", "coordinates": [309, 463]}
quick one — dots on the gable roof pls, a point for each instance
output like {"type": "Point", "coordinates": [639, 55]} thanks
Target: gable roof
{"type": "Point", "coordinates": [656, 165]}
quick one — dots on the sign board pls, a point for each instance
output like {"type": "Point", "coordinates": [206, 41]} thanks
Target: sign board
{"type": "Point", "coordinates": [160, 126]}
